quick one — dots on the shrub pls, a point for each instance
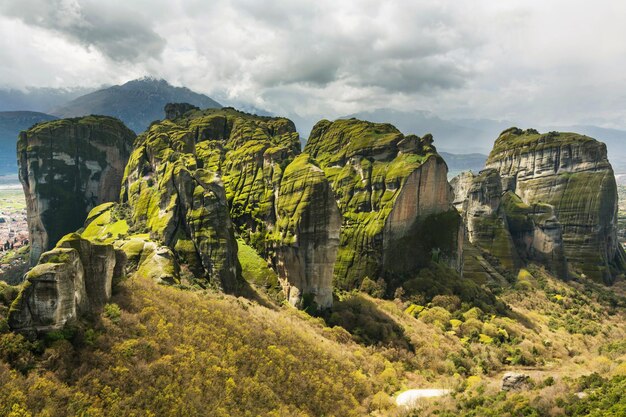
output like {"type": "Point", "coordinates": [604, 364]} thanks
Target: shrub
{"type": "Point", "coordinates": [374, 288]}
{"type": "Point", "coordinates": [450, 302]}
{"type": "Point", "coordinates": [113, 312]}
{"type": "Point", "coordinates": [438, 316]}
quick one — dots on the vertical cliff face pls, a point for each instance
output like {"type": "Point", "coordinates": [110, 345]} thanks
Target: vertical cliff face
{"type": "Point", "coordinates": [571, 174]}
{"type": "Point", "coordinates": [392, 192]}
{"type": "Point", "coordinates": [73, 280]}
{"type": "Point", "coordinates": [181, 204]}
{"type": "Point", "coordinates": [66, 168]}
{"type": "Point", "coordinates": [505, 233]}
{"type": "Point", "coordinates": [307, 234]}
{"type": "Point", "coordinates": [485, 219]}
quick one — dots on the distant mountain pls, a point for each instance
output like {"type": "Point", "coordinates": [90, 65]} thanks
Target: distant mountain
{"type": "Point", "coordinates": [137, 103]}
{"type": "Point", "coordinates": [11, 124]}
{"type": "Point", "coordinates": [38, 99]}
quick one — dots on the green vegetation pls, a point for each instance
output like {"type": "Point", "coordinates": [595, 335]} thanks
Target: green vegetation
{"type": "Point", "coordinates": [164, 351]}
{"type": "Point", "coordinates": [522, 140]}
{"type": "Point", "coordinates": [256, 271]}
{"type": "Point", "coordinates": [370, 176]}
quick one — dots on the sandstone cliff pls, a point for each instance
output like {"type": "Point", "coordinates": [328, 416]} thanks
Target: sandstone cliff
{"type": "Point", "coordinates": [504, 233]}
{"type": "Point", "coordinates": [289, 220]}
{"type": "Point", "coordinates": [571, 174]}
{"type": "Point", "coordinates": [67, 167]}
{"type": "Point", "coordinates": [552, 197]}
{"type": "Point", "coordinates": [307, 234]}
{"type": "Point", "coordinates": [393, 194]}
{"type": "Point", "coordinates": [71, 281]}
{"type": "Point", "coordinates": [182, 204]}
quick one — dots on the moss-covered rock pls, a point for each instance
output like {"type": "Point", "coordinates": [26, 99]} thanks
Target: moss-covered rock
{"type": "Point", "coordinates": [188, 177]}
{"type": "Point", "coordinates": [570, 173]}
{"type": "Point", "coordinates": [71, 281]}
{"type": "Point", "coordinates": [306, 234]}
{"type": "Point", "coordinates": [504, 233]}
{"type": "Point", "coordinates": [392, 191]}
{"type": "Point", "coordinates": [66, 168]}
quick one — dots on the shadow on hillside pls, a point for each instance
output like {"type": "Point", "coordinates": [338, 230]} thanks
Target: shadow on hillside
{"type": "Point", "coordinates": [367, 323]}
{"type": "Point", "coordinates": [250, 292]}
{"type": "Point", "coordinates": [522, 319]}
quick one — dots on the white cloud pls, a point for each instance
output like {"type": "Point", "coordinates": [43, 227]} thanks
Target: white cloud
{"type": "Point", "coordinates": [533, 61]}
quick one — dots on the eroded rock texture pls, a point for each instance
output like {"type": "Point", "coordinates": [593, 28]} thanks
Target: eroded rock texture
{"type": "Point", "coordinates": [72, 280]}
{"type": "Point", "coordinates": [307, 234]}
{"type": "Point", "coordinates": [394, 197]}
{"type": "Point", "coordinates": [571, 174]}
{"type": "Point", "coordinates": [67, 167]}
{"type": "Point", "coordinates": [182, 204]}
{"type": "Point", "coordinates": [504, 233]}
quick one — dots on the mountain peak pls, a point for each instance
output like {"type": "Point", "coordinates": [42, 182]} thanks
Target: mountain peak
{"type": "Point", "coordinates": [137, 102]}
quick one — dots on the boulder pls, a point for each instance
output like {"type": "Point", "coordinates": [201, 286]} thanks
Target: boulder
{"type": "Point", "coordinates": [73, 280]}
{"type": "Point", "coordinates": [513, 381]}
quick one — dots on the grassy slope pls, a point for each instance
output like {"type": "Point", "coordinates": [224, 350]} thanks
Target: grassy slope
{"type": "Point", "coordinates": [171, 351]}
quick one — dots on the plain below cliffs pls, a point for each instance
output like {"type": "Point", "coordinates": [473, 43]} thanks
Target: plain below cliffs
{"type": "Point", "coordinates": [556, 203]}
{"type": "Point", "coordinates": [66, 168]}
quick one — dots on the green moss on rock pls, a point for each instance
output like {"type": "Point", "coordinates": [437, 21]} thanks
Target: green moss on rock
{"type": "Point", "coordinates": [67, 167]}
{"type": "Point", "coordinates": [386, 185]}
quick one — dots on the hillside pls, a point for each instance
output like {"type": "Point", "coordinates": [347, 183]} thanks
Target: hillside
{"type": "Point", "coordinates": [190, 279]}
{"type": "Point", "coordinates": [202, 351]}
{"type": "Point", "coordinates": [137, 103]}
{"type": "Point", "coordinates": [11, 124]}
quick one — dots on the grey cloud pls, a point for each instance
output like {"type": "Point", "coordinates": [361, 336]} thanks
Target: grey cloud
{"type": "Point", "coordinates": [398, 48]}
{"type": "Point", "coordinates": [115, 30]}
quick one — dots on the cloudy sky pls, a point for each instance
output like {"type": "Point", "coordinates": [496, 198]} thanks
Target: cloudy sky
{"type": "Point", "coordinates": [557, 61]}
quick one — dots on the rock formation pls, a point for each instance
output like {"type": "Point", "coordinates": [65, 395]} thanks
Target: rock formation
{"type": "Point", "coordinates": [504, 228]}
{"type": "Point", "coordinates": [307, 234]}
{"type": "Point", "coordinates": [547, 198]}
{"type": "Point", "coordinates": [72, 280]}
{"type": "Point", "coordinates": [366, 201]}
{"type": "Point", "coordinates": [513, 381]}
{"type": "Point", "coordinates": [67, 167]}
{"type": "Point", "coordinates": [393, 193]}
{"type": "Point", "coordinates": [182, 204]}
{"type": "Point", "coordinates": [571, 174]}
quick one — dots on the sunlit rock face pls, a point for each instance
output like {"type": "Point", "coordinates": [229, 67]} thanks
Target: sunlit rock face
{"type": "Point", "coordinates": [71, 281]}
{"type": "Point", "coordinates": [66, 168]}
{"type": "Point", "coordinates": [569, 181]}
{"type": "Point", "coordinates": [307, 234]}
{"type": "Point", "coordinates": [394, 197]}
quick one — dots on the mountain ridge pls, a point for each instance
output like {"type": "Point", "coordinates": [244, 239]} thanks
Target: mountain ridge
{"type": "Point", "coordinates": [137, 102]}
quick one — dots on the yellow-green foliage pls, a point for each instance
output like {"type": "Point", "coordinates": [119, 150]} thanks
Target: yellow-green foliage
{"type": "Point", "coordinates": [104, 226]}
{"type": "Point", "coordinates": [164, 351]}
{"type": "Point", "coordinates": [366, 172]}
{"type": "Point", "coordinates": [254, 268]}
